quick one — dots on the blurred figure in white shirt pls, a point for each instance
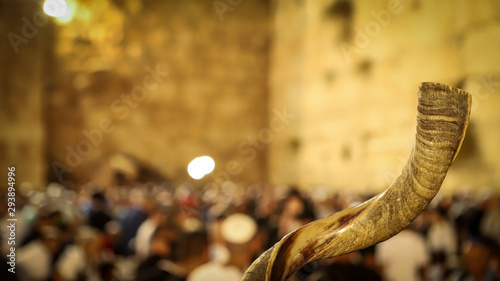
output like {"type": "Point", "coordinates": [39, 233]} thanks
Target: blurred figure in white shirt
{"type": "Point", "coordinates": [404, 257]}
{"type": "Point", "coordinates": [142, 240]}
{"type": "Point", "coordinates": [81, 260]}
{"type": "Point", "coordinates": [35, 258]}
{"type": "Point", "coordinates": [442, 236]}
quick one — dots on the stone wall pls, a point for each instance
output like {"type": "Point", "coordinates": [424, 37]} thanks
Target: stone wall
{"type": "Point", "coordinates": [350, 71]}
{"type": "Point", "coordinates": [162, 82]}
{"type": "Point", "coordinates": [138, 87]}
{"type": "Point", "coordinates": [23, 46]}
{"type": "Point", "coordinates": [292, 92]}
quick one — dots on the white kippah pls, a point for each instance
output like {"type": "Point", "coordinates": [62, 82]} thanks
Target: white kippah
{"type": "Point", "coordinates": [238, 228]}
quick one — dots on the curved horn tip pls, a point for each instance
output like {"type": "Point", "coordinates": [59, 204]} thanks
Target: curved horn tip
{"type": "Point", "coordinates": [436, 86]}
{"type": "Point", "coordinates": [322, 238]}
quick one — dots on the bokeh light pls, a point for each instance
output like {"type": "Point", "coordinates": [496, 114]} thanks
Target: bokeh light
{"type": "Point", "coordinates": [55, 8]}
{"type": "Point", "coordinates": [200, 167]}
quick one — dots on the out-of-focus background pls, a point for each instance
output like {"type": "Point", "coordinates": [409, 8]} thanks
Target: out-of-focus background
{"type": "Point", "coordinates": [287, 92]}
{"type": "Point", "coordinates": [138, 129]}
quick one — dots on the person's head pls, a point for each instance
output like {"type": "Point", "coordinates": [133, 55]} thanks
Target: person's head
{"type": "Point", "coordinates": [476, 254]}
{"type": "Point", "coordinates": [437, 215]}
{"type": "Point", "coordinates": [297, 212]}
{"type": "Point", "coordinates": [294, 204]}
{"type": "Point", "coordinates": [43, 219]}
{"type": "Point", "coordinates": [160, 241]}
{"type": "Point", "coordinates": [192, 244]}
{"type": "Point", "coordinates": [160, 214]}
{"type": "Point", "coordinates": [240, 232]}
{"type": "Point", "coordinates": [98, 201]}
{"type": "Point", "coordinates": [192, 249]}
{"type": "Point", "coordinates": [88, 238]}
{"type": "Point", "coordinates": [148, 204]}
{"type": "Point", "coordinates": [49, 236]}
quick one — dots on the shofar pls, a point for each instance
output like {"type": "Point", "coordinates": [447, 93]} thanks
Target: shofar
{"type": "Point", "coordinates": [442, 118]}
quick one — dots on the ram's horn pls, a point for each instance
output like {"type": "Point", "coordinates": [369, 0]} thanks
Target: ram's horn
{"type": "Point", "coordinates": [442, 118]}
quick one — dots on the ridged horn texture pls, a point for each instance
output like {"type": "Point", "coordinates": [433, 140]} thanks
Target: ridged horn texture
{"type": "Point", "coordinates": [442, 118]}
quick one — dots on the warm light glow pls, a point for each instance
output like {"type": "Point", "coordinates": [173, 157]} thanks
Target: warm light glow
{"type": "Point", "coordinates": [55, 8]}
{"type": "Point", "coordinates": [200, 167]}
{"type": "Point", "coordinates": [68, 16]}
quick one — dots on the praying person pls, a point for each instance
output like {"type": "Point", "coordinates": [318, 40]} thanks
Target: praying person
{"type": "Point", "coordinates": [239, 232]}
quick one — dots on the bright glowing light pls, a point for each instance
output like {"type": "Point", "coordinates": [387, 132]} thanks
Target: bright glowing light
{"type": "Point", "coordinates": [55, 8]}
{"type": "Point", "coordinates": [200, 167]}
{"type": "Point", "coordinates": [70, 13]}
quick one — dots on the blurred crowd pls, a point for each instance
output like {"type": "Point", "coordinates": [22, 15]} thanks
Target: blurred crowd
{"type": "Point", "coordinates": [164, 232]}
